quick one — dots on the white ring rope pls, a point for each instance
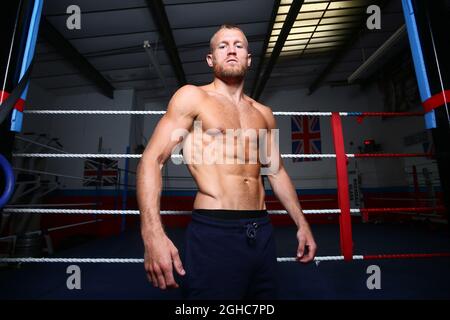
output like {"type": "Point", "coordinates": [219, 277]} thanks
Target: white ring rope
{"type": "Point", "coordinates": [162, 212]}
{"type": "Point", "coordinates": [136, 156]}
{"type": "Point", "coordinates": [155, 112]}
{"type": "Point", "coordinates": [304, 113]}
{"type": "Point", "coordinates": [140, 260]}
{"type": "Point", "coordinates": [320, 259]}
{"type": "Point", "coordinates": [322, 155]}
{"type": "Point", "coordinates": [103, 112]}
{"type": "Point", "coordinates": [75, 155]}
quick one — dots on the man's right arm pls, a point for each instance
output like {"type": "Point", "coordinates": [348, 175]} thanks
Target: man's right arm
{"type": "Point", "coordinates": [160, 251]}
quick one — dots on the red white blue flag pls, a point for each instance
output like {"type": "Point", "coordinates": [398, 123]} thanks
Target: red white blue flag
{"type": "Point", "coordinates": [305, 133]}
{"type": "Point", "coordinates": [100, 172]}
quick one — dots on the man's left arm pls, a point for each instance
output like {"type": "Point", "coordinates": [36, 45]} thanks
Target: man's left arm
{"type": "Point", "coordinates": [285, 191]}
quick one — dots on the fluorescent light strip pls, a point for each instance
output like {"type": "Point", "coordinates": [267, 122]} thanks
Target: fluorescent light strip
{"type": "Point", "coordinates": [307, 35]}
{"type": "Point", "coordinates": [341, 12]}
{"type": "Point", "coordinates": [347, 4]}
{"type": "Point", "coordinates": [324, 44]}
{"type": "Point", "coordinates": [283, 9]}
{"type": "Point", "coordinates": [336, 20]}
{"type": "Point", "coordinates": [333, 26]}
{"type": "Point", "coordinates": [320, 25]}
{"type": "Point", "coordinates": [313, 6]}
{"type": "Point", "coordinates": [313, 40]}
{"type": "Point", "coordinates": [330, 27]}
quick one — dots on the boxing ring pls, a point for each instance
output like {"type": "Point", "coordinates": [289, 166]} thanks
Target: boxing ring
{"type": "Point", "coordinates": [344, 212]}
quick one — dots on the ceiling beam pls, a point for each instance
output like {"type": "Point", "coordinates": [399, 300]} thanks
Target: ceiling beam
{"type": "Point", "coordinates": [276, 4]}
{"type": "Point", "coordinates": [288, 23]}
{"type": "Point", "coordinates": [65, 48]}
{"type": "Point", "coordinates": [340, 53]}
{"type": "Point", "coordinates": [158, 13]}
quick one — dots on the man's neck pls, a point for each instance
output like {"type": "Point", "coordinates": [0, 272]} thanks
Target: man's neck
{"type": "Point", "coordinates": [234, 90]}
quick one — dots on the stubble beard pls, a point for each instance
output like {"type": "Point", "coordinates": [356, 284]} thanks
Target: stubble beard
{"type": "Point", "coordinates": [236, 73]}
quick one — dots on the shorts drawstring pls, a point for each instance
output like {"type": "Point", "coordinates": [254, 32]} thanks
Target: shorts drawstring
{"type": "Point", "coordinates": [251, 231]}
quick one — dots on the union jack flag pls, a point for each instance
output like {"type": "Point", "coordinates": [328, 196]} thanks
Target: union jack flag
{"type": "Point", "coordinates": [100, 172]}
{"type": "Point", "coordinates": [305, 133]}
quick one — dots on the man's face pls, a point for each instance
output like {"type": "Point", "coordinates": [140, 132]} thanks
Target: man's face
{"type": "Point", "coordinates": [229, 55]}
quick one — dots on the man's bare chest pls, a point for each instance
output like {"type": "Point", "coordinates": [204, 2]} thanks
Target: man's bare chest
{"type": "Point", "coordinates": [219, 115]}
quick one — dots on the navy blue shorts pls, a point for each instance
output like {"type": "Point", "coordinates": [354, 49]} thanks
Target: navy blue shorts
{"type": "Point", "coordinates": [230, 254]}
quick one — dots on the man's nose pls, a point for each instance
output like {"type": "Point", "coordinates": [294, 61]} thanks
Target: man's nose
{"type": "Point", "coordinates": [231, 50]}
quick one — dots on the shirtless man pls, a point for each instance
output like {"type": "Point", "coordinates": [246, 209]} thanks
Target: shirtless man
{"type": "Point", "coordinates": [230, 250]}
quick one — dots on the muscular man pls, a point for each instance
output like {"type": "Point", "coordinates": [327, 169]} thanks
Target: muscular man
{"type": "Point", "coordinates": [230, 250]}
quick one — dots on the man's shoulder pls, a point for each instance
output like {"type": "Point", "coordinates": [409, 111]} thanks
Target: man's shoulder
{"type": "Point", "coordinates": [189, 92]}
{"type": "Point", "coordinates": [187, 99]}
{"type": "Point", "coordinates": [265, 110]}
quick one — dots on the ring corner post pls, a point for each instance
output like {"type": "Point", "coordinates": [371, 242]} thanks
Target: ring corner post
{"type": "Point", "coordinates": [427, 23]}
{"type": "Point", "coordinates": [19, 21]}
{"type": "Point", "coordinates": [345, 222]}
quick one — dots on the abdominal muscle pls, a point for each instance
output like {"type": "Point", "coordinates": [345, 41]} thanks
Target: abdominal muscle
{"type": "Point", "coordinates": [226, 180]}
{"type": "Point", "coordinates": [233, 187]}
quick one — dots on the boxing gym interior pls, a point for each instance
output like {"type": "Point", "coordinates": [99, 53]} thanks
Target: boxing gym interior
{"type": "Point", "coordinates": [359, 90]}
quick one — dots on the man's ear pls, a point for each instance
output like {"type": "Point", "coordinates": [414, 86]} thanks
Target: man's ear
{"type": "Point", "coordinates": [249, 60]}
{"type": "Point", "coordinates": [209, 59]}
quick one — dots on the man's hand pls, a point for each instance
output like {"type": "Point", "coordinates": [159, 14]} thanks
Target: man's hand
{"type": "Point", "coordinates": [306, 245]}
{"type": "Point", "coordinates": [160, 254]}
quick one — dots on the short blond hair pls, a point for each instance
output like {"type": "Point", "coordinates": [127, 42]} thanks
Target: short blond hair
{"type": "Point", "coordinates": [225, 26]}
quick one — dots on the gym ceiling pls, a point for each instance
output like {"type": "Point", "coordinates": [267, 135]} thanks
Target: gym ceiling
{"type": "Point", "coordinates": [155, 46]}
